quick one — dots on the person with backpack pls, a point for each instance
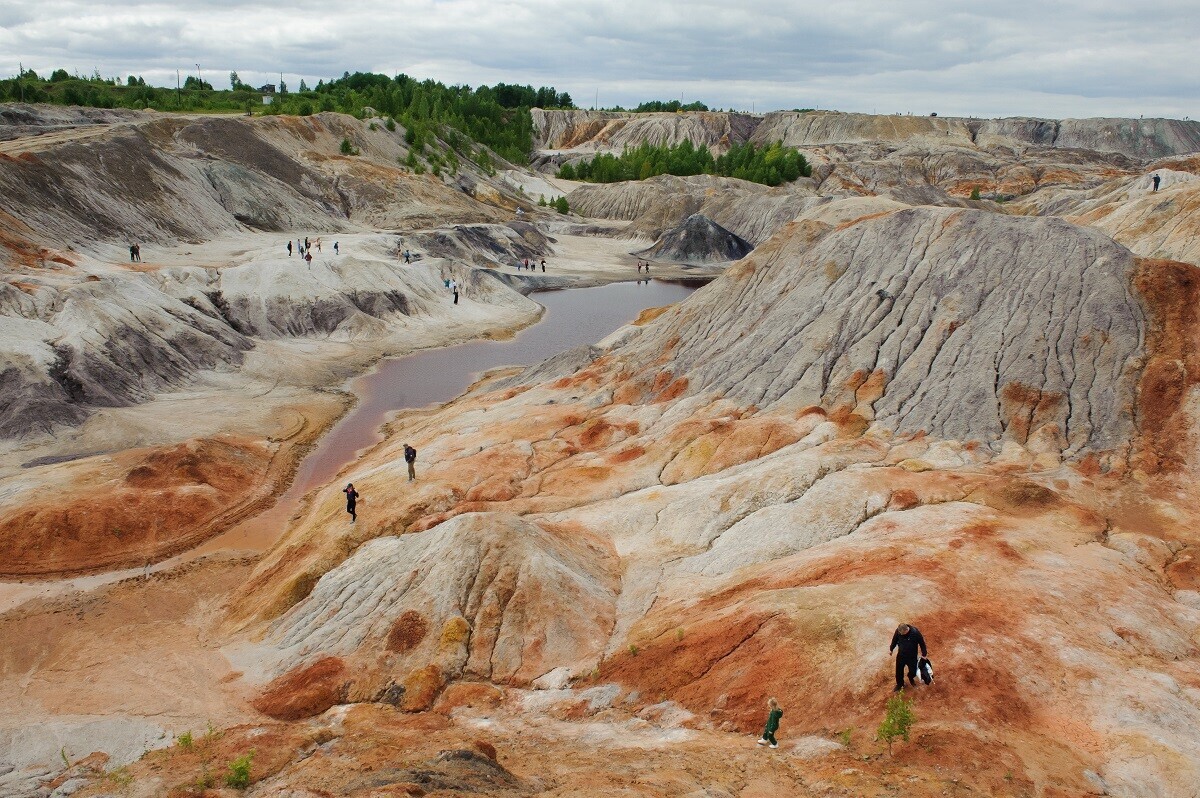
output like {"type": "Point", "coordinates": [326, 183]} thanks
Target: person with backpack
{"type": "Point", "coordinates": [908, 639]}
{"type": "Point", "coordinates": [351, 501]}
{"type": "Point", "coordinates": [410, 457]}
{"type": "Point", "coordinates": [774, 714]}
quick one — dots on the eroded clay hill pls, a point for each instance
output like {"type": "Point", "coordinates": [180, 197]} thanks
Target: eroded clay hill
{"type": "Point", "coordinates": [1085, 169]}
{"type": "Point", "coordinates": [976, 423]}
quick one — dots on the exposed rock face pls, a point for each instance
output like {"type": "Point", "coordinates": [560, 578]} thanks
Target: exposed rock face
{"type": "Point", "coordinates": [749, 210]}
{"type": "Point", "coordinates": [698, 240]}
{"type": "Point", "coordinates": [144, 182]}
{"type": "Point", "coordinates": [602, 131]}
{"type": "Point", "coordinates": [1162, 224]}
{"type": "Point", "coordinates": [146, 505]}
{"type": "Point", "coordinates": [70, 342]}
{"type": "Point", "coordinates": [18, 120]}
{"type": "Point", "coordinates": [967, 303]}
{"type": "Point", "coordinates": [583, 131]}
{"type": "Point", "coordinates": [480, 612]}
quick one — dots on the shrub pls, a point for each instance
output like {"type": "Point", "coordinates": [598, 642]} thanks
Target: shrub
{"type": "Point", "coordinates": [238, 776]}
{"type": "Point", "coordinates": [975, 193]}
{"type": "Point", "coordinates": [897, 720]}
{"type": "Point", "coordinates": [348, 148]}
{"type": "Point", "coordinates": [185, 740]}
{"type": "Point", "coordinates": [390, 124]}
{"type": "Point", "coordinates": [633, 650]}
{"type": "Point", "coordinates": [561, 205]}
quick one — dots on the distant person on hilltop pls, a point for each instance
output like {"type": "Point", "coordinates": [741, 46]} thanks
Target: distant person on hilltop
{"type": "Point", "coordinates": [289, 247]}
{"type": "Point", "coordinates": [908, 639]}
{"type": "Point", "coordinates": [774, 714]}
{"type": "Point", "coordinates": [410, 457]}
{"type": "Point", "coordinates": [351, 501]}
{"type": "Point", "coordinates": [1154, 179]}
{"type": "Point", "coordinates": [335, 247]}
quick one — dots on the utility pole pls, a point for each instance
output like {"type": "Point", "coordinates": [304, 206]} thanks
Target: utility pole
{"type": "Point", "coordinates": [20, 76]}
{"type": "Point", "coordinates": [201, 86]}
{"type": "Point", "coordinates": [178, 93]}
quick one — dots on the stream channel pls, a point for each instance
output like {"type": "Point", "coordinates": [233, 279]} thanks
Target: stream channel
{"type": "Point", "coordinates": [573, 316]}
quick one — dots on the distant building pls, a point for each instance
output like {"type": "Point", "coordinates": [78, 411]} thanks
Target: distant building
{"type": "Point", "coordinates": [267, 89]}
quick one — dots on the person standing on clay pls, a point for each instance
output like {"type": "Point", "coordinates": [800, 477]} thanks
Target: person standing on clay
{"type": "Point", "coordinates": [410, 457]}
{"type": "Point", "coordinates": [289, 247]}
{"type": "Point", "coordinates": [351, 501]}
{"type": "Point", "coordinates": [1154, 179]}
{"type": "Point", "coordinates": [133, 253]}
{"type": "Point", "coordinates": [908, 639]}
{"type": "Point", "coordinates": [774, 713]}
{"type": "Point", "coordinates": [543, 265]}
{"type": "Point", "coordinates": [335, 247]}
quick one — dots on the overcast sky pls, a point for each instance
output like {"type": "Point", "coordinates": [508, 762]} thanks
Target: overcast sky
{"type": "Point", "coordinates": [1017, 57]}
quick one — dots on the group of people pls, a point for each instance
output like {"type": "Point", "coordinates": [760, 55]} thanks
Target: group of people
{"type": "Point", "coordinates": [907, 638]}
{"type": "Point", "coordinates": [410, 458]}
{"type": "Point", "coordinates": [452, 284]}
{"type": "Point", "coordinates": [304, 248]}
{"type": "Point", "coordinates": [643, 265]}
{"type": "Point", "coordinates": [135, 253]}
{"type": "Point", "coordinates": [531, 265]}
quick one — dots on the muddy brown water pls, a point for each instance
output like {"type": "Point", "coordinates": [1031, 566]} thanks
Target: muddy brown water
{"type": "Point", "coordinates": [573, 317]}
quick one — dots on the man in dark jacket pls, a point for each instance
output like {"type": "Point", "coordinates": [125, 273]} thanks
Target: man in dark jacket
{"type": "Point", "coordinates": [908, 639]}
{"type": "Point", "coordinates": [410, 457]}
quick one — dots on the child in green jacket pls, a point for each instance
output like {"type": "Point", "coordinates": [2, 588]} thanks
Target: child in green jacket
{"type": "Point", "coordinates": [772, 723]}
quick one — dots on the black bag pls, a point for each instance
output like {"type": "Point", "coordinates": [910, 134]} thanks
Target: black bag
{"type": "Point", "coordinates": [925, 670]}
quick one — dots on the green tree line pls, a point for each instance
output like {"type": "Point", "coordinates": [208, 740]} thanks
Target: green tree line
{"type": "Point", "coordinates": [496, 116]}
{"type": "Point", "coordinates": [770, 165]}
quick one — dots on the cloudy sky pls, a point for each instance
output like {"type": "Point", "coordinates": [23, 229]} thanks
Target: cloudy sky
{"type": "Point", "coordinates": [1063, 58]}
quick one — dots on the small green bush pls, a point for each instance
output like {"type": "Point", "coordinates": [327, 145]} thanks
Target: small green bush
{"type": "Point", "coordinates": [633, 650]}
{"type": "Point", "coordinates": [238, 776]}
{"type": "Point", "coordinates": [975, 193]}
{"type": "Point", "coordinates": [390, 124]}
{"type": "Point", "coordinates": [561, 205]}
{"type": "Point", "coordinates": [348, 148]}
{"type": "Point", "coordinates": [897, 720]}
{"type": "Point", "coordinates": [185, 741]}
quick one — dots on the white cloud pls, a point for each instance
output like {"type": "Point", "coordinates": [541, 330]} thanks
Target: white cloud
{"type": "Point", "coordinates": [1067, 58]}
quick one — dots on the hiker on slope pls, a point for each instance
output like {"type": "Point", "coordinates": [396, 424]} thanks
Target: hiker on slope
{"type": "Point", "coordinates": [351, 501]}
{"type": "Point", "coordinates": [908, 639]}
{"type": "Point", "coordinates": [774, 713]}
